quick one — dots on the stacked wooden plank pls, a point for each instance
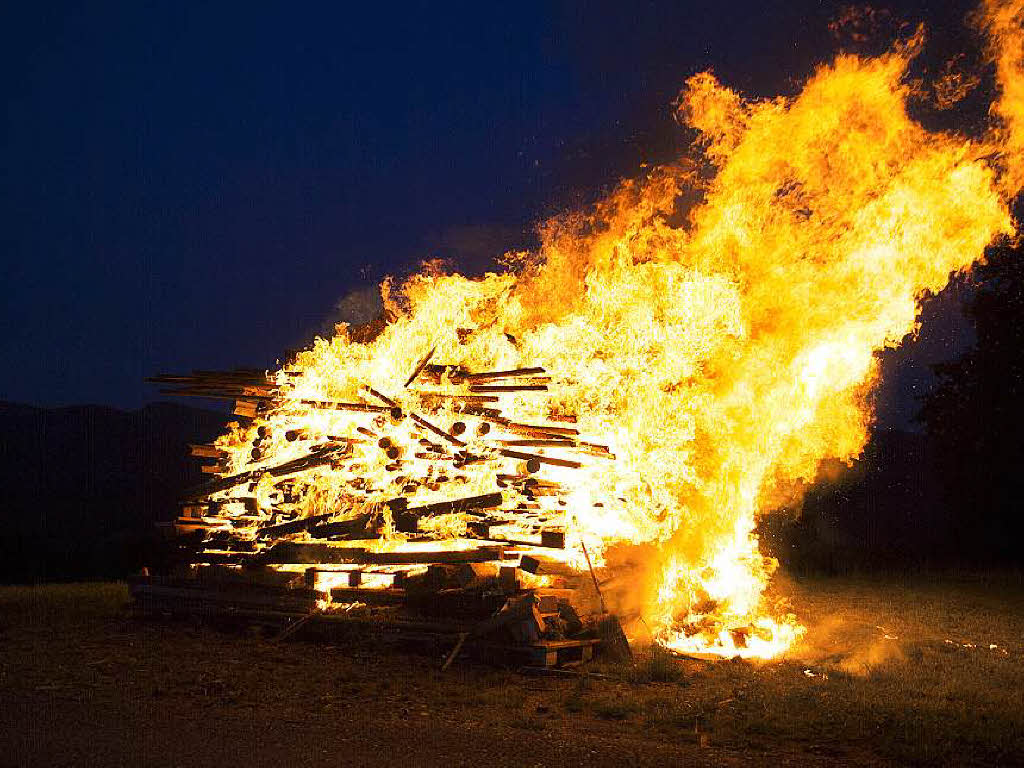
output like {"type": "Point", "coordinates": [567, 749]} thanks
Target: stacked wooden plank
{"type": "Point", "coordinates": [443, 509]}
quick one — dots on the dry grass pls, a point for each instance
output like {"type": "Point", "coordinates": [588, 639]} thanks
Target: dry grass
{"type": "Point", "coordinates": [934, 692]}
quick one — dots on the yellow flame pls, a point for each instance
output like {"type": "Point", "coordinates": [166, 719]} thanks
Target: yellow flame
{"type": "Point", "coordinates": [1003, 20]}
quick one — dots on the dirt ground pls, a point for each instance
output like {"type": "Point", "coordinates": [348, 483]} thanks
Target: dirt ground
{"type": "Point", "coordinates": [928, 672]}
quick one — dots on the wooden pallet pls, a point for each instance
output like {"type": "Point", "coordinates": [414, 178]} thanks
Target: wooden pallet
{"type": "Point", "coordinates": [542, 653]}
{"type": "Point", "coordinates": [289, 608]}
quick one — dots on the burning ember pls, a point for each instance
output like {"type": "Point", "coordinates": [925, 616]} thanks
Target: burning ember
{"type": "Point", "coordinates": [630, 398]}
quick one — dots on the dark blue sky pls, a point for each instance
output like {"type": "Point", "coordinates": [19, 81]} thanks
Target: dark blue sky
{"type": "Point", "coordinates": [188, 185]}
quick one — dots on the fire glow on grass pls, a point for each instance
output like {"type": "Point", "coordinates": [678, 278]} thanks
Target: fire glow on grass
{"type": "Point", "coordinates": [719, 355]}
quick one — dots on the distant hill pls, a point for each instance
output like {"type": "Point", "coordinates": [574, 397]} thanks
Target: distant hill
{"type": "Point", "coordinates": [83, 485]}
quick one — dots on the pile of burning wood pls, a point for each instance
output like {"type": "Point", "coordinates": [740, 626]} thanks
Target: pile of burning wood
{"type": "Point", "coordinates": [448, 519]}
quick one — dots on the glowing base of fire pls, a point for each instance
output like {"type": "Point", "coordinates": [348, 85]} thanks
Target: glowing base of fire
{"type": "Point", "coordinates": [768, 640]}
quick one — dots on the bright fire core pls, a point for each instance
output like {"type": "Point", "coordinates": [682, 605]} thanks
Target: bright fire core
{"type": "Point", "coordinates": [719, 353]}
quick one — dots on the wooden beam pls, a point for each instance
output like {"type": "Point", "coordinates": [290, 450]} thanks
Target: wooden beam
{"type": "Point", "coordinates": [509, 374]}
{"type": "Point", "coordinates": [542, 459]}
{"type": "Point", "coordinates": [316, 553]}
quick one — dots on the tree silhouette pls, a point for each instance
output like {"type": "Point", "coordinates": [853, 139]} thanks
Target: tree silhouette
{"type": "Point", "coordinates": [975, 420]}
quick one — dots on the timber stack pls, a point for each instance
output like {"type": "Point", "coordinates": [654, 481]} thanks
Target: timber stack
{"type": "Point", "coordinates": [426, 510]}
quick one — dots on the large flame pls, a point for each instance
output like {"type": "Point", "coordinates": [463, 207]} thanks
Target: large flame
{"type": "Point", "coordinates": [719, 352]}
{"type": "Point", "coordinates": [1003, 20]}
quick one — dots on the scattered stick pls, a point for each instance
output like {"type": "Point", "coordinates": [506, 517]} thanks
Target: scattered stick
{"type": "Point", "coordinates": [295, 626]}
{"type": "Point", "coordinates": [455, 651]}
{"type": "Point", "coordinates": [419, 367]}
{"type": "Point", "coordinates": [542, 459]}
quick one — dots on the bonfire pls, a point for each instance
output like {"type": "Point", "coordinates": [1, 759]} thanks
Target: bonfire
{"type": "Point", "coordinates": [600, 425]}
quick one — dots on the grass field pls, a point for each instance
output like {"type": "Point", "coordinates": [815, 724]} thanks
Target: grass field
{"type": "Point", "coordinates": [905, 672]}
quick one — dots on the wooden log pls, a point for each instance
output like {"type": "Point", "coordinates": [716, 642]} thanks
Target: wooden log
{"type": "Point", "coordinates": [257, 374]}
{"type": "Point", "coordinates": [310, 554]}
{"type": "Point", "coordinates": [381, 396]}
{"type": "Point", "coordinates": [540, 443]}
{"type": "Point", "coordinates": [485, 531]}
{"type": "Point", "coordinates": [357, 527]}
{"type": "Point", "coordinates": [211, 377]}
{"type": "Point", "coordinates": [387, 596]}
{"type": "Point", "coordinates": [206, 451]}
{"type": "Point", "coordinates": [292, 526]}
{"type": "Point", "coordinates": [545, 428]}
{"type": "Point", "coordinates": [220, 484]}
{"type": "Point", "coordinates": [245, 408]}
{"type": "Point", "coordinates": [542, 459]}
{"type": "Point", "coordinates": [482, 388]}
{"type": "Point", "coordinates": [544, 432]}
{"type": "Point", "coordinates": [198, 510]}
{"type": "Point", "coordinates": [318, 456]}
{"type": "Point", "coordinates": [613, 639]}
{"type": "Point", "coordinates": [529, 564]}
{"type": "Point", "coordinates": [239, 389]}
{"type": "Point", "coordinates": [455, 651]}
{"type": "Point", "coordinates": [407, 520]}
{"type": "Point", "coordinates": [244, 577]}
{"type": "Point", "coordinates": [464, 457]}
{"type": "Point", "coordinates": [315, 553]}
{"type": "Point", "coordinates": [596, 450]}
{"type": "Point", "coordinates": [419, 367]}
{"type": "Point", "coordinates": [554, 539]}
{"type": "Point", "coordinates": [294, 599]}
{"type": "Point", "coordinates": [493, 414]}
{"type": "Point", "coordinates": [214, 394]}
{"type": "Point", "coordinates": [481, 529]}
{"type": "Point", "coordinates": [475, 555]}
{"type": "Point", "coordinates": [226, 540]}
{"type": "Point", "coordinates": [508, 577]}
{"type": "Point", "coordinates": [560, 595]}
{"type": "Point", "coordinates": [336, 405]}
{"type": "Point", "coordinates": [515, 609]}
{"type": "Point", "coordinates": [474, 574]}
{"type": "Point", "coordinates": [509, 374]}
{"type": "Point", "coordinates": [564, 417]}
{"type": "Point", "coordinates": [461, 401]}
{"type": "Point", "coordinates": [187, 524]}
{"type": "Point", "coordinates": [436, 371]}
{"type": "Point", "coordinates": [437, 430]}
{"type": "Point", "coordinates": [222, 557]}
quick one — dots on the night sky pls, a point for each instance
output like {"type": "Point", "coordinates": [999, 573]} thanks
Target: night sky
{"type": "Point", "coordinates": [196, 186]}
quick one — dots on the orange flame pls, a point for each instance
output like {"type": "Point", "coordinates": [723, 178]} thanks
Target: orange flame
{"type": "Point", "coordinates": [717, 358]}
{"type": "Point", "coordinates": [1003, 20]}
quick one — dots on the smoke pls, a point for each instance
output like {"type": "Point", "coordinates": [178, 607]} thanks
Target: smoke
{"type": "Point", "coordinates": [474, 248]}
{"type": "Point", "coordinates": [850, 645]}
{"type": "Point", "coordinates": [359, 306]}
